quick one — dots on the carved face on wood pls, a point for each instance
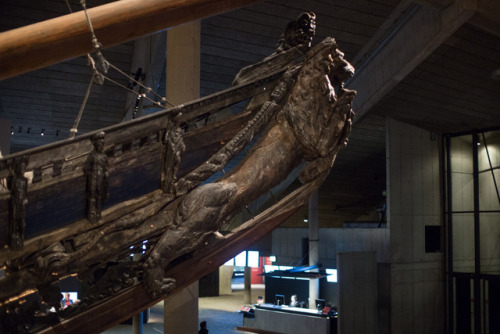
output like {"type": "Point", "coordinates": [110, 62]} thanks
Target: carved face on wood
{"type": "Point", "coordinates": [320, 116]}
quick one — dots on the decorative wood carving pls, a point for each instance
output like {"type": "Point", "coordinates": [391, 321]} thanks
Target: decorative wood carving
{"type": "Point", "coordinates": [298, 32]}
{"type": "Point", "coordinates": [96, 172]}
{"type": "Point", "coordinates": [311, 122]}
{"type": "Point", "coordinates": [17, 205]}
{"type": "Point", "coordinates": [174, 148]}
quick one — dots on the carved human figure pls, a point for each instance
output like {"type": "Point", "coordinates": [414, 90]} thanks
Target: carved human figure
{"type": "Point", "coordinates": [312, 125]}
{"type": "Point", "coordinates": [175, 147]}
{"type": "Point", "coordinates": [96, 171]}
{"type": "Point", "coordinates": [18, 201]}
{"type": "Point", "coordinates": [298, 32]}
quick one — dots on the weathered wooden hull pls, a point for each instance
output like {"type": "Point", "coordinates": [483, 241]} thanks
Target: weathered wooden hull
{"type": "Point", "coordinates": [81, 206]}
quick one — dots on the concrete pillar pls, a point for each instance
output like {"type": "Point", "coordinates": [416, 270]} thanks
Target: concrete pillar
{"type": "Point", "coordinates": [357, 291]}
{"type": "Point", "coordinates": [225, 276]}
{"type": "Point", "coordinates": [137, 323]}
{"type": "Point", "coordinates": [183, 84]}
{"type": "Point", "coordinates": [313, 247]}
{"type": "Point", "coordinates": [181, 311]}
{"type": "Point", "coordinates": [247, 294]}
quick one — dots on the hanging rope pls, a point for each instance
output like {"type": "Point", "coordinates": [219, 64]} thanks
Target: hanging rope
{"type": "Point", "coordinates": [148, 89]}
{"type": "Point", "coordinates": [74, 129]}
{"type": "Point", "coordinates": [100, 68]}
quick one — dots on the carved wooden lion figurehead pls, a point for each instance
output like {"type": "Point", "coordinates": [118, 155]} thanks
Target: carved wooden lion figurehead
{"type": "Point", "coordinates": [319, 114]}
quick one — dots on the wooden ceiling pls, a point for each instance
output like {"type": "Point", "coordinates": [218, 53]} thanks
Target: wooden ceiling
{"type": "Point", "coordinates": [427, 63]}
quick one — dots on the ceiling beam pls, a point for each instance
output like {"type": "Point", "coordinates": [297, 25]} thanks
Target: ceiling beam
{"type": "Point", "coordinates": [419, 32]}
{"type": "Point", "coordinates": [492, 27]}
{"type": "Point", "coordinates": [489, 9]}
{"type": "Point", "coordinates": [52, 41]}
{"type": "Point", "coordinates": [392, 20]}
{"type": "Point", "coordinates": [487, 16]}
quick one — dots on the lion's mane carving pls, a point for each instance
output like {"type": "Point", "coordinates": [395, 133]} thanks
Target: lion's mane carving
{"type": "Point", "coordinates": [321, 117]}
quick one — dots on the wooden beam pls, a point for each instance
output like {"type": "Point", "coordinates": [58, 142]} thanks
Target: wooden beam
{"type": "Point", "coordinates": [435, 3]}
{"type": "Point", "coordinates": [52, 41]}
{"type": "Point", "coordinates": [489, 9]}
{"type": "Point", "coordinates": [388, 25]}
{"type": "Point", "coordinates": [492, 27]}
{"type": "Point", "coordinates": [487, 17]}
{"type": "Point", "coordinates": [419, 33]}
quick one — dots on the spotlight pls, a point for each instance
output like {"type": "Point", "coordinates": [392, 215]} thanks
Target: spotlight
{"type": "Point", "coordinates": [42, 133]}
{"type": "Point", "coordinates": [11, 130]}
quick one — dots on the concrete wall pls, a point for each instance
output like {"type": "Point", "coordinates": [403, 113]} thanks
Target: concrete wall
{"type": "Point", "coordinates": [357, 283]}
{"type": "Point", "coordinates": [288, 251]}
{"type": "Point", "coordinates": [287, 245]}
{"type": "Point", "coordinates": [414, 199]}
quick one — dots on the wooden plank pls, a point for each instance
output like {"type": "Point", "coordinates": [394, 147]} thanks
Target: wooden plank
{"type": "Point", "coordinates": [40, 242]}
{"type": "Point", "coordinates": [41, 44]}
{"type": "Point", "coordinates": [415, 40]}
{"type": "Point", "coordinates": [65, 149]}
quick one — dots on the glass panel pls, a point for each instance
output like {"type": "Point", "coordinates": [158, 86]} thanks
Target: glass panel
{"type": "Point", "coordinates": [490, 243]}
{"type": "Point", "coordinates": [489, 150]}
{"type": "Point", "coordinates": [463, 243]}
{"type": "Point", "coordinates": [462, 184]}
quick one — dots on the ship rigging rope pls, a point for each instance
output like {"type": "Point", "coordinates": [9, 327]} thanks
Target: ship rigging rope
{"type": "Point", "coordinates": [99, 75]}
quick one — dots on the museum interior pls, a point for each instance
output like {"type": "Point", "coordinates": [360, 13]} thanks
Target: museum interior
{"type": "Point", "coordinates": [151, 151]}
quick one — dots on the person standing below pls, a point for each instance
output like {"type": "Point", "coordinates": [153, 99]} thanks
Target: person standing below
{"type": "Point", "coordinates": [293, 301]}
{"type": "Point", "coordinates": [203, 328]}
